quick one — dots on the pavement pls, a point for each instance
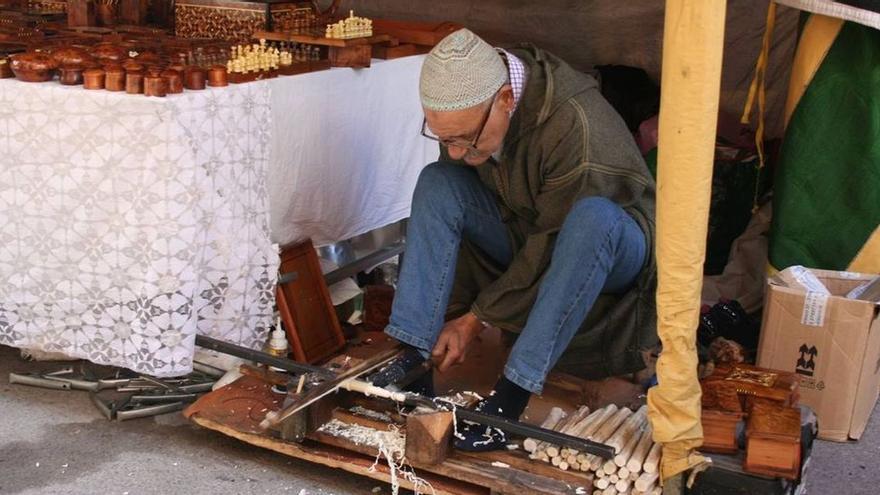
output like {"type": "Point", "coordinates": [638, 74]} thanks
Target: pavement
{"type": "Point", "coordinates": [56, 442]}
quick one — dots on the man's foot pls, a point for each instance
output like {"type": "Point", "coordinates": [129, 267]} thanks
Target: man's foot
{"type": "Point", "coordinates": [508, 400]}
{"type": "Point", "coordinates": [395, 371]}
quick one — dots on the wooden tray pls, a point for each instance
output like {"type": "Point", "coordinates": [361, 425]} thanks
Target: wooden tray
{"type": "Point", "coordinates": [237, 78]}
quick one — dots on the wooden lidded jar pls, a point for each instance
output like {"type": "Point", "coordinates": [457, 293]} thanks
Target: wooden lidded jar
{"type": "Point", "coordinates": [155, 86]}
{"type": "Point", "coordinates": [194, 77]}
{"type": "Point", "coordinates": [134, 82]}
{"type": "Point", "coordinates": [71, 74]}
{"type": "Point", "coordinates": [173, 81]}
{"type": "Point", "coordinates": [115, 78]}
{"type": "Point", "coordinates": [93, 78]}
{"type": "Point", "coordinates": [217, 76]}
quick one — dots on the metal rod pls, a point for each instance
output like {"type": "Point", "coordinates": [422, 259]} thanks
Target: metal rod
{"type": "Point", "coordinates": [362, 264]}
{"type": "Point", "coordinates": [260, 357]}
{"type": "Point", "coordinates": [519, 428]}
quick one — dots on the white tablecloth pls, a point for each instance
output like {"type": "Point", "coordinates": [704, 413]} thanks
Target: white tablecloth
{"type": "Point", "coordinates": [346, 150]}
{"type": "Point", "coordinates": [130, 224]}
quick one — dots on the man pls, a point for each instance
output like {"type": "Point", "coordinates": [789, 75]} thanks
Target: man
{"type": "Point", "coordinates": [538, 219]}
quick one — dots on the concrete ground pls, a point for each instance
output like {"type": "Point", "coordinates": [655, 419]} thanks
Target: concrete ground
{"type": "Point", "coordinates": [56, 442]}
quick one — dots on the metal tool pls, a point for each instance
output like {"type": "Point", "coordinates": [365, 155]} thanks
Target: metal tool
{"type": "Point", "coordinates": [76, 383]}
{"type": "Point", "coordinates": [134, 410]}
{"type": "Point", "coordinates": [163, 398]}
{"type": "Point", "coordinates": [260, 357]}
{"type": "Point", "coordinates": [35, 380]}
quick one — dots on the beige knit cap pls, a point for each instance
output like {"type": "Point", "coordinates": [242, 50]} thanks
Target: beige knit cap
{"type": "Point", "coordinates": [460, 72]}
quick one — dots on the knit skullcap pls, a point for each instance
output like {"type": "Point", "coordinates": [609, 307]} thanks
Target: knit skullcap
{"type": "Point", "coordinates": [462, 71]}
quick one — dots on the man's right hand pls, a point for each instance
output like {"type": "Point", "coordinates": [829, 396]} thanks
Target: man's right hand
{"type": "Point", "coordinates": [451, 347]}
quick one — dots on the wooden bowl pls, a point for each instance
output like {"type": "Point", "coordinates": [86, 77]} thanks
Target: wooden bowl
{"type": "Point", "coordinates": [33, 66]}
{"type": "Point", "coordinates": [108, 52]}
{"type": "Point", "coordinates": [71, 74]}
{"type": "Point", "coordinates": [71, 56]}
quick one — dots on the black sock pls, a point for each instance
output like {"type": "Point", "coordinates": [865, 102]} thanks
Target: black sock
{"type": "Point", "coordinates": [508, 400]}
{"type": "Point", "coordinates": [398, 368]}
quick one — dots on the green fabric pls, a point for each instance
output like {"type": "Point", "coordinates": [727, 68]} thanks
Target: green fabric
{"type": "Point", "coordinates": [827, 188]}
{"type": "Point", "coordinates": [565, 143]}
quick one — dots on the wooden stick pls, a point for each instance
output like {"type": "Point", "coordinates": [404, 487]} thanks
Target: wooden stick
{"type": "Point", "coordinates": [622, 485]}
{"type": "Point", "coordinates": [574, 466]}
{"type": "Point", "coordinates": [633, 476]}
{"type": "Point", "coordinates": [553, 418]}
{"type": "Point", "coordinates": [570, 419]}
{"type": "Point", "coordinates": [597, 492]}
{"type": "Point", "coordinates": [646, 480]}
{"type": "Point", "coordinates": [604, 433]}
{"type": "Point", "coordinates": [609, 467]}
{"type": "Point", "coordinates": [613, 478]}
{"type": "Point", "coordinates": [611, 490]}
{"type": "Point", "coordinates": [625, 431]}
{"type": "Point", "coordinates": [653, 459]}
{"type": "Point", "coordinates": [601, 483]}
{"type": "Point", "coordinates": [626, 452]}
{"type": "Point", "coordinates": [623, 473]}
{"type": "Point", "coordinates": [634, 464]}
{"type": "Point", "coordinates": [563, 466]}
{"type": "Point", "coordinates": [553, 450]}
{"type": "Point", "coordinates": [658, 490]}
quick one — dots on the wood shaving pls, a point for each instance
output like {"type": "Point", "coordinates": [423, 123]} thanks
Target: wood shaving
{"type": "Point", "coordinates": [369, 413]}
{"type": "Point", "coordinates": [500, 464]}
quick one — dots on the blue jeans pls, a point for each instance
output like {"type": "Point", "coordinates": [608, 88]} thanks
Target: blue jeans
{"type": "Point", "coordinates": [599, 249]}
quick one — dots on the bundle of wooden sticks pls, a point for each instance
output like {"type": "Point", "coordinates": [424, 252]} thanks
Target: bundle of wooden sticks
{"type": "Point", "coordinates": [635, 467]}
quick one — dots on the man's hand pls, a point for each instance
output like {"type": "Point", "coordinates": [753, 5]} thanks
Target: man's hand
{"type": "Point", "coordinates": [457, 334]}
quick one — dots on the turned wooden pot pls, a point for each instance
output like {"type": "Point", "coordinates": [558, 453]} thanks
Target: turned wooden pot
{"type": "Point", "coordinates": [155, 86]}
{"type": "Point", "coordinates": [134, 82]}
{"type": "Point", "coordinates": [194, 78]}
{"type": "Point", "coordinates": [93, 78]}
{"type": "Point", "coordinates": [33, 66]}
{"type": "Point", "coordinates": [71, 74]}
{"type": "Point", "coordinates": [217, 76]}
{"type": "Point", "coordinates": [115, 78]}
{"type": "Point", "coordinates": [5, 69]}
{"type": "Point", "coordinates": [173, 81]}
{"type": "Point", "coordinates": [71, 56]}
{"type": "Point", "coordinates": [108, 52]}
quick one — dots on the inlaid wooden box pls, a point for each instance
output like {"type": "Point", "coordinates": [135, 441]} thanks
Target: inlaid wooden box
{"type": "Point", "coordinates": [232, 20]}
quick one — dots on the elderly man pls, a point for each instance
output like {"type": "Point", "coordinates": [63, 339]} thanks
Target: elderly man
{"type": "Point", "coordinates": [538, 219]}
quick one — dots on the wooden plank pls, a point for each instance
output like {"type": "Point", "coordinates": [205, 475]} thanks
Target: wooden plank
{"type": "Point", "coordinates": [337, 458]}
{"type": "Point", "coordinates": [518, 459]}
{"type": "Point", "coordinates": [310, 39]}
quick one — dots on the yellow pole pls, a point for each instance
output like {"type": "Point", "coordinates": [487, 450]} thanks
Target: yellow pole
{"type": "Point", "coordinates": [693, 37]}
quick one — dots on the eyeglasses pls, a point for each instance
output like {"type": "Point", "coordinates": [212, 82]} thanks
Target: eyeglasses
{"type": "Point", "coordinates": [460, 143]}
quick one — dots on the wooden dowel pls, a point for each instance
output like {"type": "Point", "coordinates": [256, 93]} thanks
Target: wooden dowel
{"type": "Point", "coordinates": [553, 418]}
{"type": "Point", "coordinates": [658, 490]}
{"type": "Point", "coordinates": [634, 476]}
{"type": "Point", "coordinates": [609, 467]}
{"type": "Point", "coordinates": [626, 452]}
{"type": "Point", "coordinates": [601, 483]}
{"type": "Point", "coordinates": [605, 431]}
{"type": "Point", "coordinates": [623, 473]}
{"type": "Point", "coordinates": [646, 481]}
{"type": "Point", "coordinates": [634, 464]}
{"type": "Point", "coordinates": [573, 419]}
{"type": "Point", "coordinates": [651, 462]}
{"type": "Point", "coordinates": [609, 491]}
{"type": "Point", "coordinates": [563, 466]}
{"type": "Point", "coordinates": [622, 485]}
{"type": "Point", "coordinates": [613, 478]}
{"type": "Point", "coordinates": [626, 429]}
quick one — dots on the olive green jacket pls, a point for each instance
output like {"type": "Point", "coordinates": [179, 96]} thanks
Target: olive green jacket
{"type": "Point", "coordinates": [565, 143]}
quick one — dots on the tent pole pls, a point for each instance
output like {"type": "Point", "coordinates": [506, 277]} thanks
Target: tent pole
{"type": "Point", "coordinates": [693, 39]}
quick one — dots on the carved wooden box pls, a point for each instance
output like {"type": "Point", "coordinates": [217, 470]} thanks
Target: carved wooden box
{"type": "Point", "coordinates": [231, 20]}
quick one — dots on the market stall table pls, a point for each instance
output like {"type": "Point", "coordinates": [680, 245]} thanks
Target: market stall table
{"type": "Point", "coordinates": [130, 224]}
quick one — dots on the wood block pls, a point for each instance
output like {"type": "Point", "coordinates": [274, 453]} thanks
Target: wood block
{"type": "Point", "coordinates": [428, 437]}
{"type": "Point", "coordinates": [305, 307]}
{"type": "Point", "coordinates": [773, 440]}
{"type": "Point", "coordinates": [357, 56]}
{"type": "Point", "coordinates": [377, 307]}
{"type": "Point", "coordinates": [386, 52]}
{"type": "Point", "coordinates": [719, 431]}
{"type": "Point", "coordinates": [81, 13]}
{"type": "Point", "coordinates": [132, 12]}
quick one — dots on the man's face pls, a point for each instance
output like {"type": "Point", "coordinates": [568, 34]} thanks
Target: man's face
{"type": "Point", "coordinates": [459, 128]}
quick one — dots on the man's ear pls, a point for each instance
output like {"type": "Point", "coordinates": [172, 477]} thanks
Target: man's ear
{"type": "Point", "coordinates": [505, 98]}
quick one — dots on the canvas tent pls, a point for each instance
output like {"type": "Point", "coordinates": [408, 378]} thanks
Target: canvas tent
{"type": "Point", "coordinates": [709, 50]}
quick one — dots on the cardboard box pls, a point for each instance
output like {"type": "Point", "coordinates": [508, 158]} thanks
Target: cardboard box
{"type": "Point", "coordinates": [832, 343]}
